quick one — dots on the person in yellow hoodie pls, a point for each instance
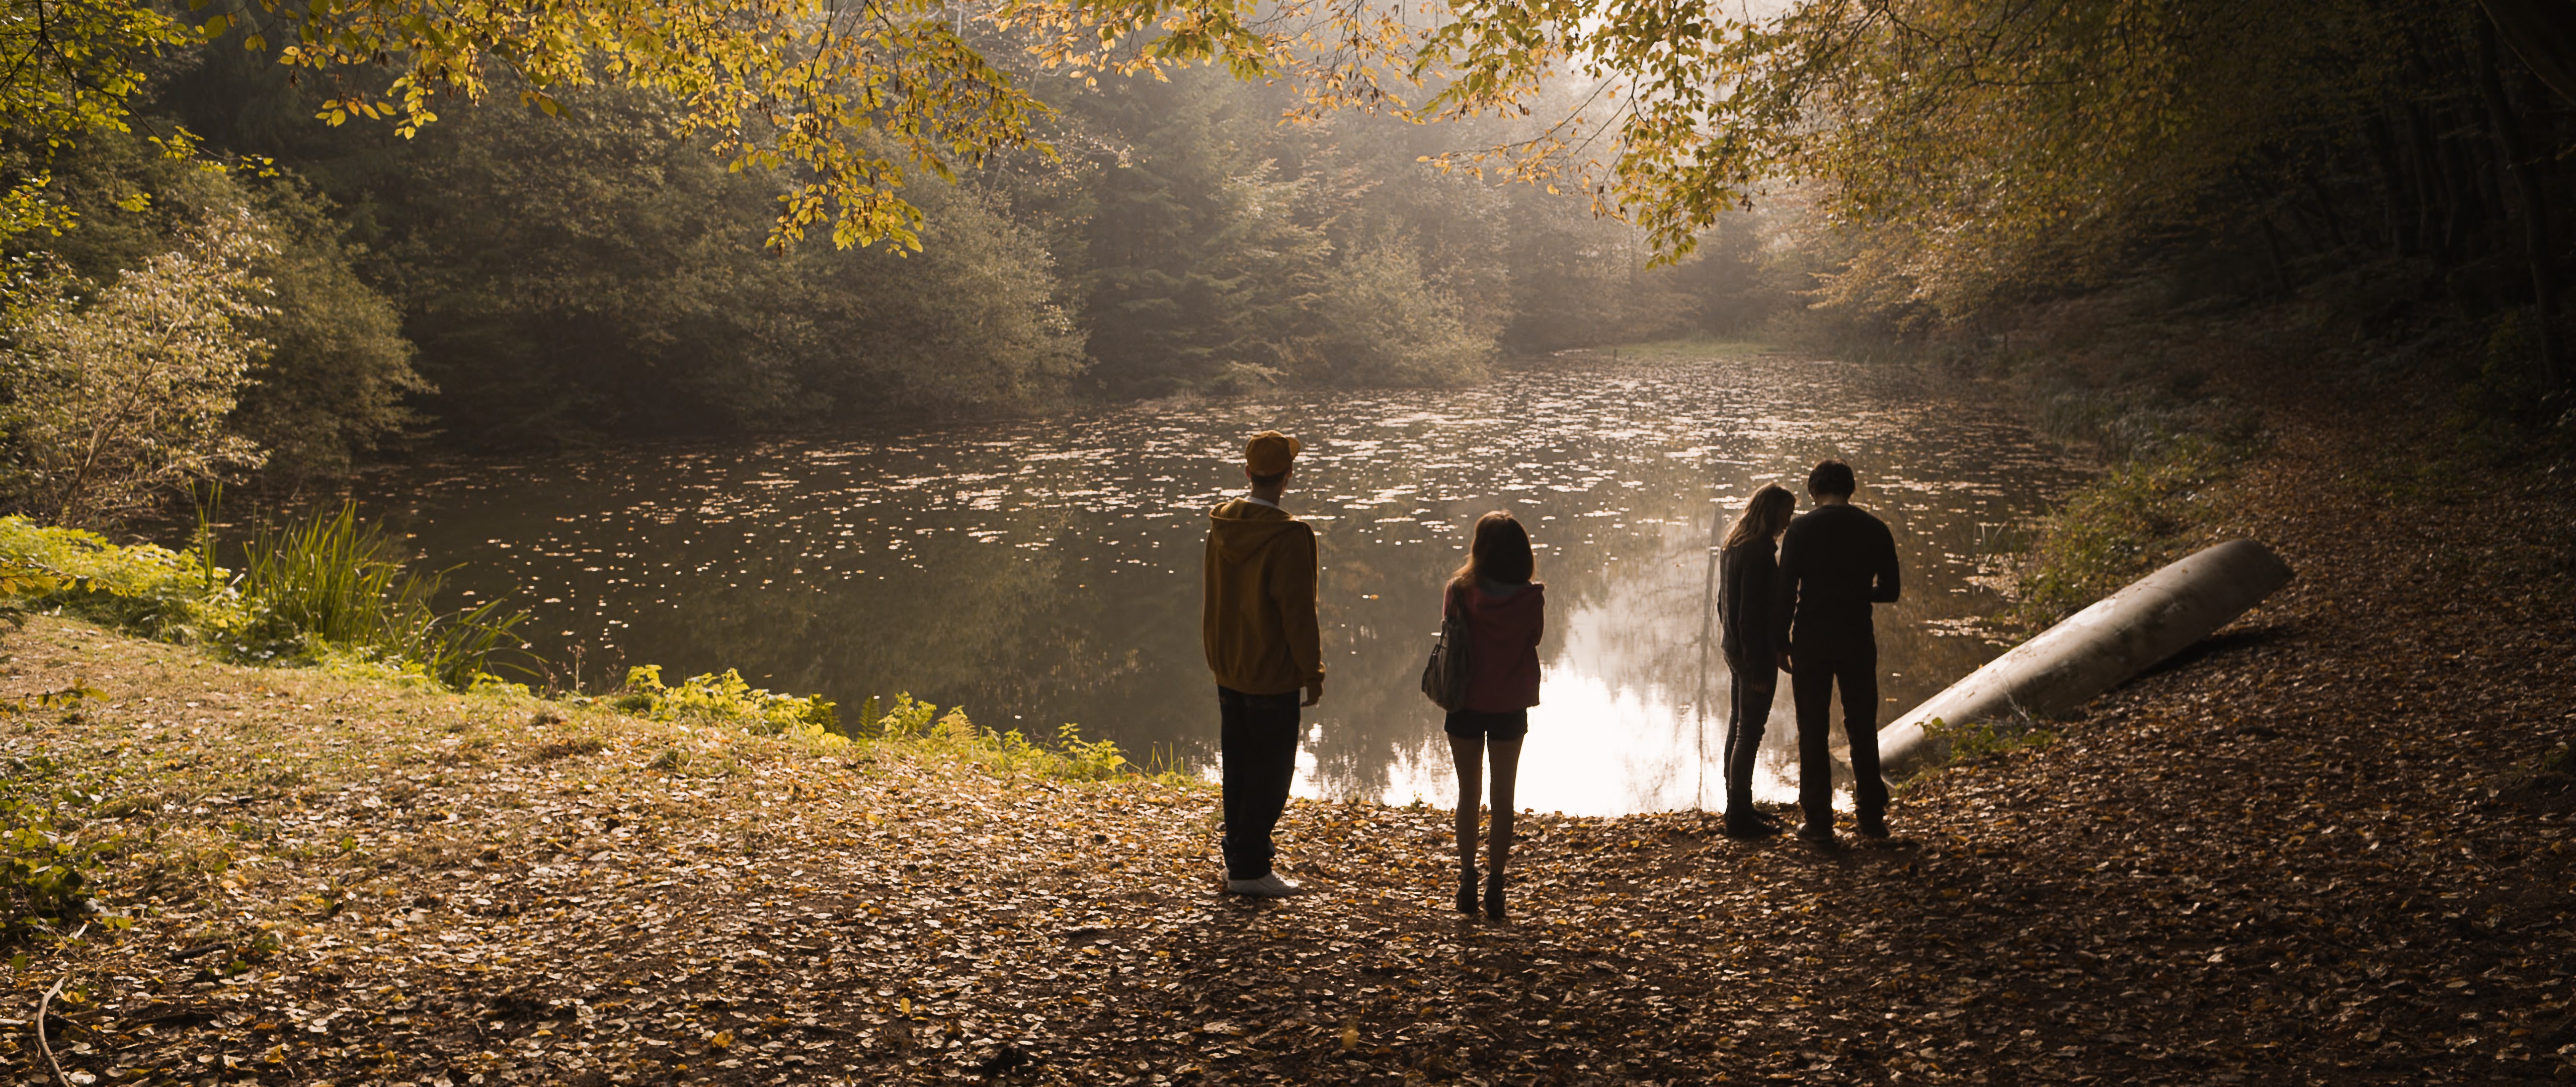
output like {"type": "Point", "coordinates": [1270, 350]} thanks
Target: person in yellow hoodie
{"type": "Point", "coordinates": [1263, 643]}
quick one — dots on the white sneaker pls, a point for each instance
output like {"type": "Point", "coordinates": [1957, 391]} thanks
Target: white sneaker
{"type": "Point", "coordinates": [1269, 886]}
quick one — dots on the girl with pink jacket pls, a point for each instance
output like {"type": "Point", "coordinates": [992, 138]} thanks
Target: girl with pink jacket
{"type": "Point", "coordinates": [1506, 612]}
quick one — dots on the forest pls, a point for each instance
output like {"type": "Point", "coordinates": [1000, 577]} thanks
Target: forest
{"type": "Point", "coordinates": [576, 246]}
{"type": "Point", "coordinates": [514, 279]}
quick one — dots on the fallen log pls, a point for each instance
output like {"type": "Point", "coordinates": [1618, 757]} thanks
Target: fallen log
{"type": "Point", "coordinates": [2096, 649]}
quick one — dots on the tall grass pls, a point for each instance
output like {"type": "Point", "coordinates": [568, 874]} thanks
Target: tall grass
{"type": "Point", "coordinates": [332, 578]}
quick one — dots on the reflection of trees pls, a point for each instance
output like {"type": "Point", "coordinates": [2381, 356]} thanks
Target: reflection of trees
{"type": "Point", "coordinates": [1373, 708]}
{"type": "Point", "coordinates": [937, 632]}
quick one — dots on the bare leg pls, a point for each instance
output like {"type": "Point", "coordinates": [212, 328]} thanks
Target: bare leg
{"type": "Point", "coordinates": [1469, 753]}
{"type": "Point", "coordinates": [1507, 766]}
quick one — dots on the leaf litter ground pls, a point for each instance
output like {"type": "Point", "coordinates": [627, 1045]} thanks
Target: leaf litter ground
{"type": "Point", "coordinates": [2312, 851]}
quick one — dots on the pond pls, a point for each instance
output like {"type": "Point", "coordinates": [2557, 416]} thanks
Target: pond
{"type": "Point", "coordinates": [1046, 571]}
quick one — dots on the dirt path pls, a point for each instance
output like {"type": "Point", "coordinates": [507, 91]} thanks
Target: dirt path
{"type": "Point", "coordinates": [2299, 856]}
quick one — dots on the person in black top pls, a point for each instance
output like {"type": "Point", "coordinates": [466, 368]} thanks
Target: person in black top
{"type": "Point", "coordinates": [1835, 562]}
{"type": "Point", "coordinates": [1748, 579]}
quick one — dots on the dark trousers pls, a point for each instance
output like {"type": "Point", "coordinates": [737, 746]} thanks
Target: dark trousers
{"type": "Point", "coordinates": [1812, 684]}
{"type": "Point", "coordinates": [1748, 710]}
{"type": "Point", "coordinates": [1257, 749]}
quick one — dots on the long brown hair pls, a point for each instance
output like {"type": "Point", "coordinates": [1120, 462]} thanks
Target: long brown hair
{"type": "Point", "coordinates": [1765, 515]}
{"type": "Point", "coordinates": [1499, 552]}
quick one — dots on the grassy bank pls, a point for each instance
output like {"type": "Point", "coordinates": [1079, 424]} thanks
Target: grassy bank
{"type": "Point", "coordinates": [71, 854]}
{"type": "Point", "coordinates": [325, 593]}
{"type": "Point", "coordinates": [327, 588]}
{"type": "Point", "coordinates": [335, 671]}
{"type": "Point", "coordinates": [247, 829]}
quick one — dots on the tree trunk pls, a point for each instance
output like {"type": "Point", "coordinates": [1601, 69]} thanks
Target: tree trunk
{"type": "Point", "coordinates": [2395, 196]}
{"type": "Point", "coordinates": [2535, 209]}
{"type": "Point", "coordinates": [2325, 207]}
{"type": "Point", "coordinates": [2460, 221]}
{"type": "Point", "coordinates": [2543, 34]}
{"type": "Point", "coordinates": [2272, 247]}
{"type": "Point", "coordinates": [2430, 192]}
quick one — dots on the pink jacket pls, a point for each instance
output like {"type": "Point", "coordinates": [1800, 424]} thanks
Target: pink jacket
{"type": "Point", "coordinates": [1506, 628]}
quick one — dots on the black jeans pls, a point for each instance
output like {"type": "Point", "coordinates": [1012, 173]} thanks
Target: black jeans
{"type": "Point", "coordinates": [1748, 711]}
{"type": "Point", "coordinates": [1257, 748]}
{"type": "Point", "coordinates": [1812, 684]}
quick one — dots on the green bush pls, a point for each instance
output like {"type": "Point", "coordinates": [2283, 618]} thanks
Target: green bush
{"type": "Point", "coordinates": [43, 877]}
{"type": "Point", "coordinates": [909, 723]}
{"type": "Point", "coordinates": [900, 724]}
{"type": "Point", "coordinates": [718, 698]}
{"type": "Point", "coordinates": [324, 583]}
{"type": "Point", "coordinates": [141, 589]}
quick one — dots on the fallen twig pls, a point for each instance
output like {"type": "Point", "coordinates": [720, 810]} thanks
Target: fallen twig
{"type": "Point", "coordinates": [47, 1003]}
{"type": "Point", "coordinates": [199, 951]}
{"type": "Point", "coordinates": [44, 1045]}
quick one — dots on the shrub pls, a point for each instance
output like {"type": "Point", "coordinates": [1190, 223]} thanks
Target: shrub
{"type": "Point", "coordinates": [112, 403]}
{"type": "Point", "coordinates": [2146, 513]}
{"type": "Point", "coordinates": [910, 723]}
{"type": "Point", "coordinates": [325, 583]}
{"type": "Point", "coordinates": [328, 579]}
{"type": "Point", "coordinates": [901, 723]}
{"type": "Point", "coordinates": [141, 589]}
{"type": "Point", "coordinates": [727, 698]}
{"type": "Point", "coordinates": [43, 870]}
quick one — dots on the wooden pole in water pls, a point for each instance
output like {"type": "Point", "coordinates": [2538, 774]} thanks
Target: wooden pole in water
{"type": "Point", "coordinates": [1707, 614]}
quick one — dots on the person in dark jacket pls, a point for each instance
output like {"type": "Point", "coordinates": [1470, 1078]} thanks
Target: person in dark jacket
{"type": "Point", "coordinates": [1748, 589]}
{"type": "Point", "coordinates": [1836, 561]}
{"type": "Point", "coordinates": [1506, 613]}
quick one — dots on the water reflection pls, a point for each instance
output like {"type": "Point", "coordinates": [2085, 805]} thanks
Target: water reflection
{"type": "Point", "coordinates": [1047, 571]}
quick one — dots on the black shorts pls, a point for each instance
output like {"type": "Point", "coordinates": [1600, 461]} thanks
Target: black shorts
{"type": "Point", "coordinates": [1511, 725]}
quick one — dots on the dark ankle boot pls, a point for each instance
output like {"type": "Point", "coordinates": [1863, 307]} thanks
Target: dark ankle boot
{"type": "Point", "coordinates": [1493, 896]}
{"type": "Point", "coordinates": [1467, 890]}
{"type": "Point", "coordinates": [1749, 824]}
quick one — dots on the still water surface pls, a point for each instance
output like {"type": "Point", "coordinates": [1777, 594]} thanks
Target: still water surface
{"type": "Point", "coordinates": [1045, 571]}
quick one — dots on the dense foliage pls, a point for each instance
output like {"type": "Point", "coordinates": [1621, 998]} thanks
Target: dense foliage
{"type": "Point", "coordinates": [594, 266]}
{"type": "Point", "coordinates": [579, 222]}
{"type": "Point", "coordinates": [595, 272]}
{"type": "Point", "coordinates": [1965, 156]}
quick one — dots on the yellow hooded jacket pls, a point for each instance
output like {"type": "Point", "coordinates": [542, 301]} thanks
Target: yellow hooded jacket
{"type": "Point", "coordinates": [1258, 615]}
